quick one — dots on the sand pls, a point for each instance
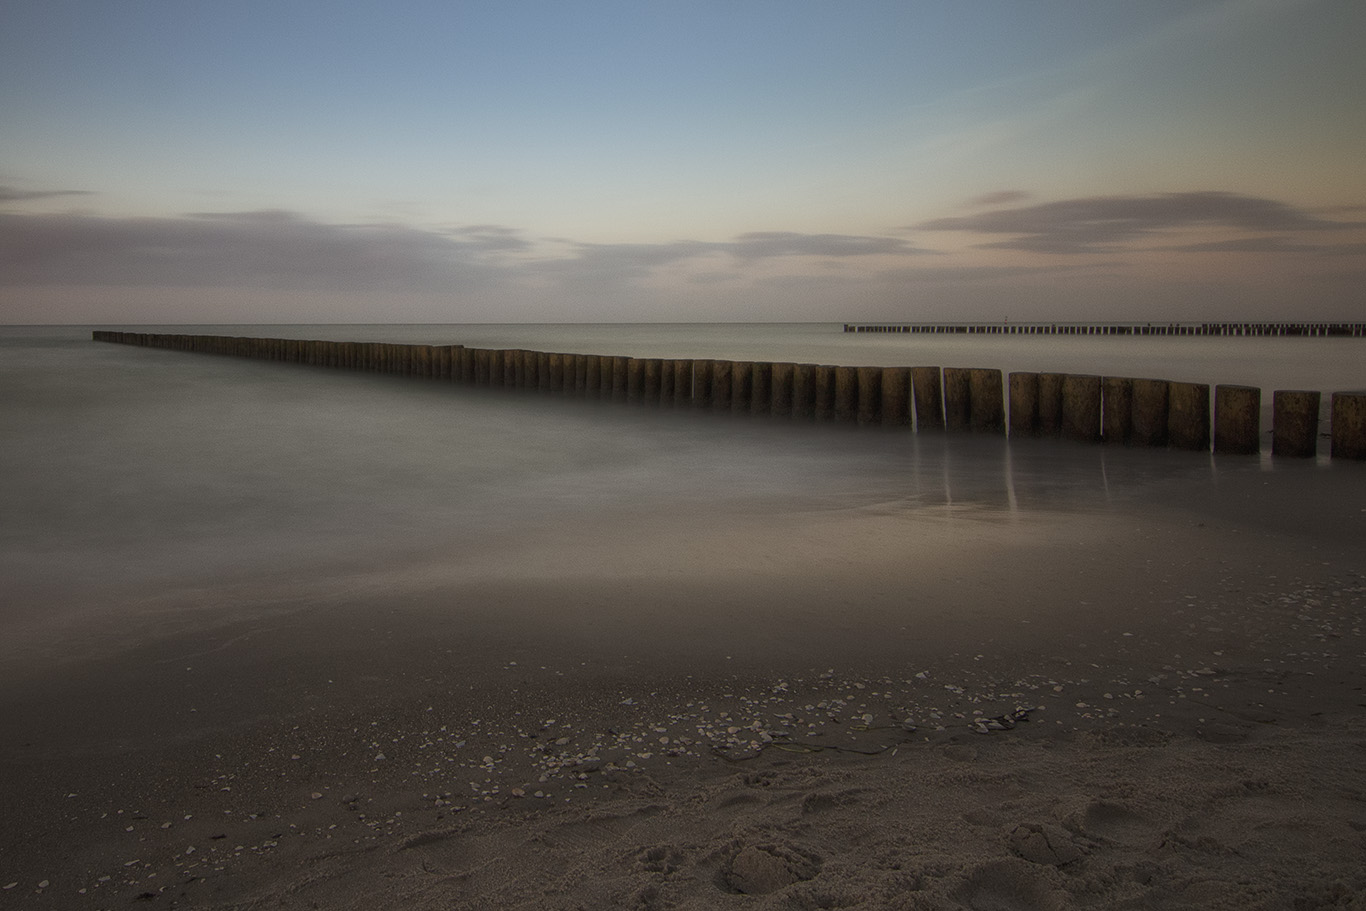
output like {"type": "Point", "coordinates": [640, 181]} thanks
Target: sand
{"type": "Point", "coordinates": [1155, 703]}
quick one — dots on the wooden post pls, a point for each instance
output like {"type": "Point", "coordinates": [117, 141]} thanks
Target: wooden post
{"type": "Point", "coordinates": [530, 368]}
{"type": "Point", "coordinates": [1024, 404]}
{"type": "Point", "coordinates": [556, 373]}
{"type": "Point", "coordinates": [846, 394]}
{"type": "Point", "coordinates": [782, 381]}
{"type": "Point", "coordinates": [635, 380]}
{"type": "Point", "coordinates": [824, 399]}
{"type": "Point", "coordinates": [580, 376]}
{"type": "Point", "coordinates": [592, 376]}
{"type": "Point", "coordinates": [620, 378]}
{"type": "Point", "coordinates": [721, 385]}
{"type": "Point", "coordinates": [543, 371]}
{"type": "Point", "coordinates": [761, 393]}
{"type": "Point", "coordinates": [986, 400]}
{"type": "Point", "coordinates": [683, 382]}
{"type": "Point", "coordinates": [1237, 419]}
{"type": "Point", "coordinates": [869, 407]}
{"type": "Point", "coordinates": [804, 391]}
{"type": "Point", "coordinates": [1188, 416]}
{"type": "Point", "coordinates": [665, 394]}
{"type": "Point", "coordinates": [1349, 425]}
{"type": "Point", "coordinates": [1081, 407]}
{"type": "Point", "coordinates": [896, 397]}
{"type": "Point", "coordinates": [606, 365]}
{"type": "Point", "coordinates": [1050, 404]}
{"type": "Point", "coordinates": [741, 386]}
{"type": "Point", "coordinates": [1294, 423]}
{"type": "Point", "coordinates": [928, 390]}
{"type": "Point", "coordinates": [1117, 409]}
{"type": "Point", "coordinates": [1150, 404]}
{"type": "Point", "coordinates": [957, 398]}
{"type": "Point", "coordinates": [702, 378]}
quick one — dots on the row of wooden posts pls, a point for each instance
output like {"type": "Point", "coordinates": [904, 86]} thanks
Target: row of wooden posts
{"type": "Point", "coordinates": [1115, 410]}
{"type": "Point", "coordinates": [1352, 330]}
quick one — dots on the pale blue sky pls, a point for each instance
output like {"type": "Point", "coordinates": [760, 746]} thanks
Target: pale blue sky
{"type": "Point", "coordinates": [418, 161]}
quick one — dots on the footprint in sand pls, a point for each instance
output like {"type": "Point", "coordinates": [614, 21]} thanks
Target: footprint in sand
{"type": "Point", "coordinates": [1116, 823]}
{"type": "Point", "coordinates": [761, 869]}
{"type": "Point", "coordinates": [1008, 885]}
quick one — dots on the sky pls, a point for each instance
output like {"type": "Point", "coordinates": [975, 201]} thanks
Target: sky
{"type": "Point", "coordinates": [164, 161]}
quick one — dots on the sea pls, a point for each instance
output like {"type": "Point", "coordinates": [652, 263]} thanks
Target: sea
{"type": "Point", "coordinates": [161, 479]}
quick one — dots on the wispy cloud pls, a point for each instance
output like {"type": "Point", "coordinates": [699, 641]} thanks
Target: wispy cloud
{"type": "Point", "coordinates": [284, 250]}
{"type": "Point", "coordinates": [1103, 224]}
{"type": "Point", "coordinates": [267, 249]}
{"type": "Point", "coordinates": [999, 198]}
{"type": "Point", "coordinates": [13, 194]}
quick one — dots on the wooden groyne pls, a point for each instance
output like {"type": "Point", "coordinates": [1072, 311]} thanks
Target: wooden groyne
{"type": "Point", "coordinates": [1350, 330]}
{"type": "Point", "coordinates": [1102, 409]}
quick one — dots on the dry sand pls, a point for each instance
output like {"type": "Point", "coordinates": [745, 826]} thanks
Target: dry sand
{"type": "Point", "coordinates": [1155, 704]}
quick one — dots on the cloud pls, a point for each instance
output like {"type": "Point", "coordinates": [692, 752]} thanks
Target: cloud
{"type": "Point", "coordinates": [276, 249]}
{"type": "Point", "coordinates": [11, 194]}
{"type": "Point", "coordinates": [999, 198]}
{"type": "Point", "coordinates": [764, 245]}
{"type": "Point", "coordinates": [266, 249]}
{"type": "Point", "coordinates": [1101, 224]}
{"type": "Point", "coordinates": [1268, 245]}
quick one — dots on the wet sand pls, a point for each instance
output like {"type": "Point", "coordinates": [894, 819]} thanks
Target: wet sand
{"type": "Point", "coordinates": [1147, 701]}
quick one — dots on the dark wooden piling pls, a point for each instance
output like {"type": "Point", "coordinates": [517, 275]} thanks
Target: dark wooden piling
{"type": "Point", "coordinates": [721, 385]}
{"type": "Point", "coordinates": [505, 362]}
{"type": "Point", "coordinates": [580, 376]}
{"type": "Point", "coordinates": [928, 391]}
{"type": "Point", "coordinates": [635, 380]}
{"type": "Point", "coordinates": [683, 382]}
{"type": "Point", "coordinates": [620, 378]}
{"type": "Point", "coordinates": [650, 382]}
{"type": "Point", "coordinates": [1050, 404]}
{"type": "Point", "coordinates": [1294, 423]}
{"type": "Point", "coordinates": [896, 397]}
{"type": "Point", "coordinates": [782, 390]}
{"type": "Point", "coordinates": [804, 392]}
{"type": "Point", "coordinates": [555, 373]}
{"type": "Point", "coordinates": [530, 376]}
{"type": "Point", "coordinates": [1348, 416]}
{"type": "Point", "coordinates": [592, 376]}
{"type": "Point", "coordinates": [606, 367]}
{"type": "Point", "coordinates": [957, 398]}
{"type": "Point", "coordinates": [761, 391]}
{"type": "Point", "coordinates": [1117, 409]}
{"type": "Point", "coordinates": [1188, 416]}
{"type": "Point", "coordinates": [665, 396]}
{"type": "Point", "coordinates": [1081, 407]}
{"type": "Point", "coordinates": [741, 386]}
{"type": "Point", "coordinates": [1150, 404]}
{"type": "Point", "coordinates": [846, 394]}
{"type": "Point", "coordinates": [543, 371]}
{"type": "Point", "coordinates": [703, 376]}
{"type": "Point", "coordinates": [1237, 419]}
{"type": "Point", "coordinates": [1024, 404]}
{"type": "Point", "coordinates": [986, 400]}
{"type": "Point", "coordinates": [869, 406]}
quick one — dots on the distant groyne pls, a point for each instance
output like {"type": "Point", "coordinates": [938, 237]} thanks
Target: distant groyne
{"type": "Point", "coordinates": [1123, 411]}
{"type": "Point", "coordinates": [1313, 330]}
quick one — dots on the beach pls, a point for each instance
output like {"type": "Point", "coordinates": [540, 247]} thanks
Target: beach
{"type": "Point", "coordinates": [666, 661]}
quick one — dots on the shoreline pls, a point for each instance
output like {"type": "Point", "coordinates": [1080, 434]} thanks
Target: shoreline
{"type": "Point", "coordinates": [1199, 740]}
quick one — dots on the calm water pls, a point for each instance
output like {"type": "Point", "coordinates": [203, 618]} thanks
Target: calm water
{"type": "Point", "coordinates": [134, 476]}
